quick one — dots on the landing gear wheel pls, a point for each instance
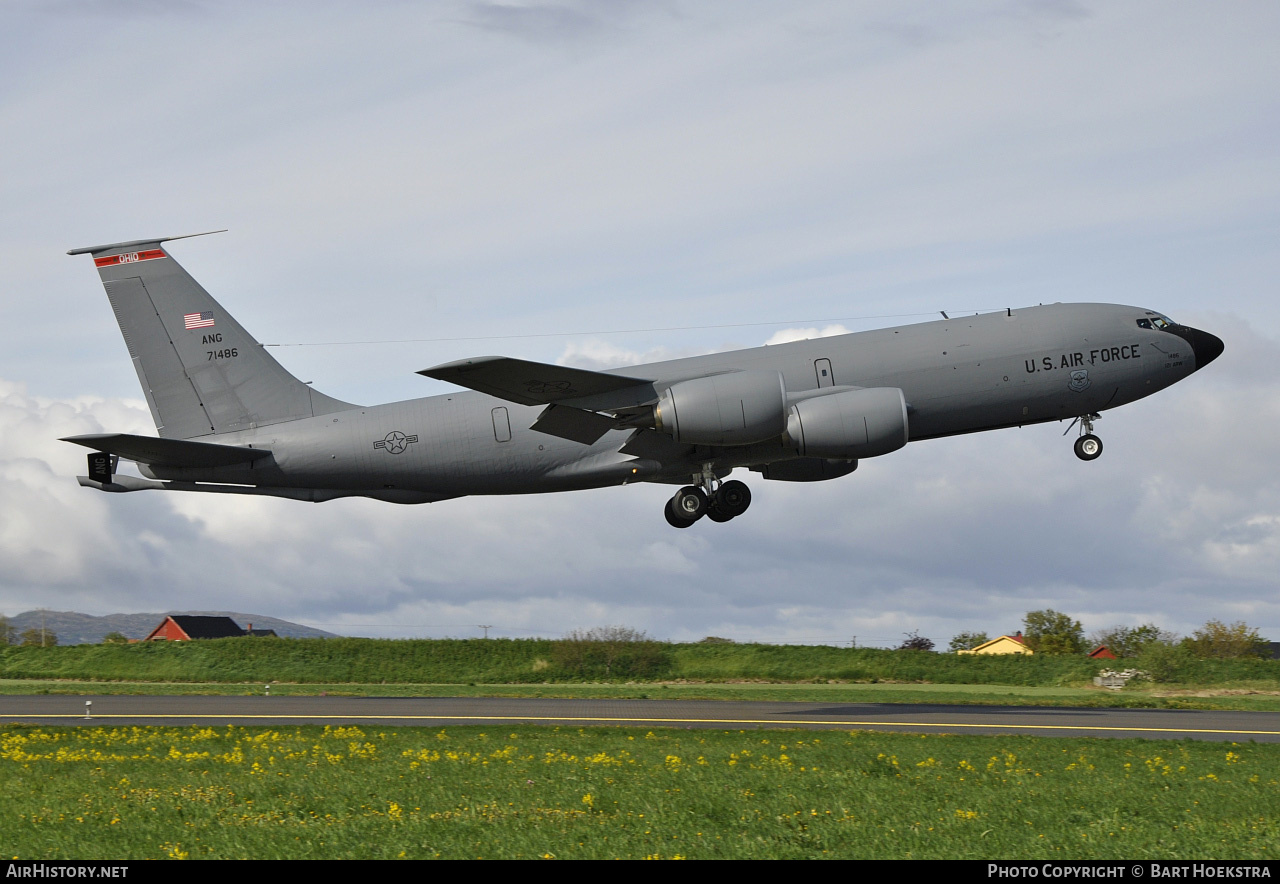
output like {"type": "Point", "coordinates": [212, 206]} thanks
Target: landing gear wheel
{"type": "Point", "coordinates": [672, 519]}
{"type": "Point", "coordinates": [1088, 447]}
{"type": "Point", "coordinates": [689, 504]}
{"type": "Point", "coordinates": [731, 500]}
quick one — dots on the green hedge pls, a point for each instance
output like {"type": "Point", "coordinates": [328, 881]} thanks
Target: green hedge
{"type": "Point", "coordinates": [494, 661]}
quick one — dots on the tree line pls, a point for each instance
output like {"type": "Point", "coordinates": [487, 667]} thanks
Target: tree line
{"type": "Point", "coordinates": [1055, 633]}
{"type": "Point", "coordinates": [34, 637]}
{"type": "Point", "coordinates": [613, 650]}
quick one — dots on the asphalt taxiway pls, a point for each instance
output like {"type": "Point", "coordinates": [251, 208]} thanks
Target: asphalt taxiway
{"type": "Point", "coordinates": [68, 710]}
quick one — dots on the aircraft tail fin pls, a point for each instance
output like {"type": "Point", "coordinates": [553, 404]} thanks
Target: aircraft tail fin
{"type": "Point", "coordinates": [202, 373]}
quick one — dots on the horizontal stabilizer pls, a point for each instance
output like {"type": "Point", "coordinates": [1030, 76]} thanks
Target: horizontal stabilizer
{"type": "Point", "coordinates": [168, 452]}
{"type": "Point", "coordinates": [120, 484]}
{"type": "Point", "coordinates": [125, 484]}
{"type": "Point", "coordinates": [529, 383]}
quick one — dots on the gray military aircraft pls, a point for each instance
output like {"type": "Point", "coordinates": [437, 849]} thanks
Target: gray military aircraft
{"type": "Point", "coordinates": [232, 420]}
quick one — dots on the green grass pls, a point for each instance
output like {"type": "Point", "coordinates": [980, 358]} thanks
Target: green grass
{"type": "Point", "coordinates": [534, 661]}
{"type": "Point", "coordinates": [961, 695]}
{"type": "Point", "coordinates": [537, 667]}
{"type": "Point", "coordinates": [524, 792]}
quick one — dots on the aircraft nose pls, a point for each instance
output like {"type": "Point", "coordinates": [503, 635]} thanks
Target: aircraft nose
{"type": "Point", "coordinates": [1207, 347]}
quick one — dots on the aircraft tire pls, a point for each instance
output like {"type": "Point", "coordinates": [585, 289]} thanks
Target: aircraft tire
{"type": "Point", "coordinates": [732, 498]}
{"type": "Point", "coordinates": [672, 519]}
{"type": "Point", "coordinates": [714, 514]}
{"type": "Point", "coordinates": [1088, 447]}
{"type": "Point", "coordinates": [689, 503]}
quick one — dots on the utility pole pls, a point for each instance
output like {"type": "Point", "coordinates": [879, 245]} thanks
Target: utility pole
{"type": "Point", "coordinates": [486, 629]}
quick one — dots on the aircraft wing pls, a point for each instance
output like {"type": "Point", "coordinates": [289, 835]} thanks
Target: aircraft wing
{"type": "Point", "coordinates": [574, 396]}
{"type": "Point", "coordinates": [534, 383]}
{"type": "Point", "coordinates": [168, 452]}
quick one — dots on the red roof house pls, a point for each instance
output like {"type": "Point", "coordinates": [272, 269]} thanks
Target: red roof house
{"type": "Point", "coordinates": [185, 627]}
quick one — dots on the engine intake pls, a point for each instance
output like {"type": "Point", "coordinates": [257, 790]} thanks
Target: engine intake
{"type": "Point", "coordinates": [851, 424]}
{"type": "Point", "coordinates": [739, 408]}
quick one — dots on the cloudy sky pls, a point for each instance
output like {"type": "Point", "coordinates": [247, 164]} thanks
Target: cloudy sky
{"type": "Point", "coordinates": [603, 183]}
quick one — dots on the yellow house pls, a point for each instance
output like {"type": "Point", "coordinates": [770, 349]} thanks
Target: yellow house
{"type": "Point", "coordinates": [1005, 644]}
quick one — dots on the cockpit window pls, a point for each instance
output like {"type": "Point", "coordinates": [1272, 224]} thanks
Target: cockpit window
{"type": "Point", "coordinates": [1144, 323]}
{"type": "Point", "coordinates": [1156, 321]}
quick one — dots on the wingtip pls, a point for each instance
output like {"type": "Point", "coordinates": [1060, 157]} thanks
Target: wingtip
{"type": "Point", "coordinates": [459, 365]}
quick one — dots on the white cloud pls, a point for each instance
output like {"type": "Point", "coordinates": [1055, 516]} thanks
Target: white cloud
{"type": "Point", "coordinates": [803, 334]}
{"type": "Point", "coordinates": [599, 355]}
{"type": "Point", "coordinates": [946, 535]}
{"type": "Point", "coordinates": [439, 172]}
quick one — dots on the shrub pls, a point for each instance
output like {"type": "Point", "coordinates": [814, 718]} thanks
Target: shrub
{"type": "Point", "coordinates": [1216, 640]}
{"type": "Point", "coordinates": [967, 641]}
{"type": "Point", "coordinates": [1130, 641]}
{"type": "Point", "coordinates": [611, 652]}
{"type": "Point", "coordinates": [915, 642]}
{"type": "Point", "coordinates": [1165, 663]}
{"type": "Point", "coordinates": [43, 638]}
{"type": "Point", "coordinates": [1052, 632]}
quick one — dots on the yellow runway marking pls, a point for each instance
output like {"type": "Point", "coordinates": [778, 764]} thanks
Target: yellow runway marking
{"type": "Point", "coordinates": [532, 719]}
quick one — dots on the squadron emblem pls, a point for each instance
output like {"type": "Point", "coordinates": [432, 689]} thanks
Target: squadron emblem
{"type": "Point", "coordinates": [395, 442]}
{"type": "Point", "coordinates": [1079, 381]}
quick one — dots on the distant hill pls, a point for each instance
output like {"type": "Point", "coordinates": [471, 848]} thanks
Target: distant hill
{"type": "Point", "coordinates": [74, 628]}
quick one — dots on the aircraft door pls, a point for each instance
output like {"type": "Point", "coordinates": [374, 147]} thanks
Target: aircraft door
{"type": "Point", "coordinates": [822, 368]}
{"type": "Point", "coordinates": [501, 425]}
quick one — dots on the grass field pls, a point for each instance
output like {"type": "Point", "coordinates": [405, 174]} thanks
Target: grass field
{"type": "Point", "coordinates": [541, 662]}
{"type": "Point", "coordinates": [522, 792]}
{"type": "Point", "coordinates": [1262, 697]}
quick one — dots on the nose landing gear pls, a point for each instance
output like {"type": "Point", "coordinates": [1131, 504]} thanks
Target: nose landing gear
{"type": "Point", "coordinates": [718, 501]}
{"type": "Point", "coordinates": [1088, 446]}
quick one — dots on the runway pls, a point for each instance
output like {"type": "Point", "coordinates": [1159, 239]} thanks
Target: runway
{"type": "Point", "coordinates": [115, 710]}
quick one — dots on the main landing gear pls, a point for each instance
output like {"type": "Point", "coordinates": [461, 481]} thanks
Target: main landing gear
{"type": "Point", "coordinates": [718, 501]}
{"type": "Point", "coordinates": [1088, 446]}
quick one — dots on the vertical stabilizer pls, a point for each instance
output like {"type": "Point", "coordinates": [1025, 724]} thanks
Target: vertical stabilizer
{"type": "Point", "coordinates": [202, 373]}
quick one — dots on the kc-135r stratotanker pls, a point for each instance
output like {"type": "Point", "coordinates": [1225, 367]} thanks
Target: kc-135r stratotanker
{"type": "Point", "coordinates": [232, 420]}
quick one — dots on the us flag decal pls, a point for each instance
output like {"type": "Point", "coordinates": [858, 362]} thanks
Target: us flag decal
{"type": "Point", "coordinates": [198, 320]}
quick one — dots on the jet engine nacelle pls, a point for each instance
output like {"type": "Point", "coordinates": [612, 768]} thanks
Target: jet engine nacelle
{"type": "Point", "coordinates": [851, 424]}
{"type": "Point", "coordinates": [739, 408]}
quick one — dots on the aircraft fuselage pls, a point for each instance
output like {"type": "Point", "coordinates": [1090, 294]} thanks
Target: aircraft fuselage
{"type": "Point", "coordinates": [959, 375]}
